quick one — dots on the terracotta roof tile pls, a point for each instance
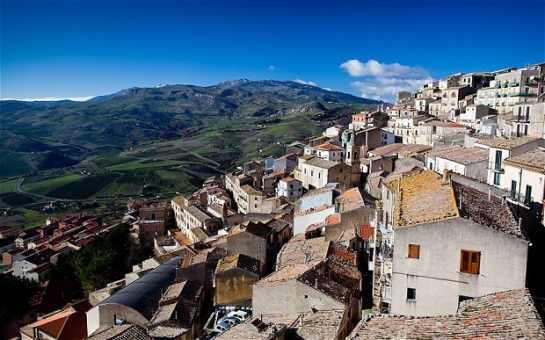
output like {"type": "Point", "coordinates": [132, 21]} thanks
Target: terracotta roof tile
{"type": "Point", "coordinates": [488, 211]}
{"type": "Point", "coordinates": [333, 219]}
{"type": "Point", "coordinates": [508, 144]}
{"type": "Point", "coordinates": [366, 232]}
{"type": "Point", "coordinates": [121, 332]}
{"type": "Point", "coordinates": [533, 160]}
{"type": "Point", "coordinates": [423, 198]}
{"type": "Point", "coordinates": [465, 155]}
{"type": "Point", "coordinates": [328, 146]}
{"type": "Point", "coordinates": [505, 315]}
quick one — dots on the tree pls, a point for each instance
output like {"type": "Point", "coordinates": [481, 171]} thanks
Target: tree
{"type": "Point", "coordinates": [15, 293]}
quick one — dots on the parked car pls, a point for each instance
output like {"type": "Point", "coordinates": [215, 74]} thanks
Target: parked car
{"type": "Point", "coordinates": [211, 335]}
{"type": "Point", "coordinates": [239, 314]}
{"type": "Point", "coordinates": [230, 320]}
{"type": "Point", "coordinates": [222, 327]}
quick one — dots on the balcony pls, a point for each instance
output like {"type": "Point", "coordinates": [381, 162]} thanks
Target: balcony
{"type": "Point", "coordinates": [518, 198]}
{"type": "Point", "coordinates": [514, 84]}
{"type": "Point", "coordinates": [504, 85]}
{"type": "Point", "coordinates": [521, 94]}
{"type": "Point", "coordinates": [495, 166]}
{"type": "Point", "coordinates": [498, 95]}
{"type": "Point", "coordinates": [530, 83]}
{"type": "Point", "coordinates": [498, 85]}
{"type": "Point", "coordinates": [521, 118]}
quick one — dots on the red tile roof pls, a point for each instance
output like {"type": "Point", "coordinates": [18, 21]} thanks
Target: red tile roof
{"type": "Point", "coordinates": [366, 232]}
{"type": "Point", "coordinates": [505, 315]}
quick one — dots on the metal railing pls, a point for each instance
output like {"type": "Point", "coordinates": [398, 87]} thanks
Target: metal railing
{"type": "Point", "coordinates": [516, 197]}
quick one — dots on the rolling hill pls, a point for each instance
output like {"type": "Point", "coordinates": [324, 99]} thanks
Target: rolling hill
{"type": "Point", "coordinates": [152, 142]}
{"type": "Point", "coordinates": [109, 124]}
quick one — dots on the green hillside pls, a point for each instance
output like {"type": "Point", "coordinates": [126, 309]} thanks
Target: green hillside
{"type": "Point", "coordinates": [148, 141]}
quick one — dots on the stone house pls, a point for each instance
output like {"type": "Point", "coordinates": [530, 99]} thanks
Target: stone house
{"type": "Point", "coordinates": [315, 281]}
{"type": "Point", "coordinates": [528, 119]}
{"type": "Point", "coordinates": [233, 281]}
{"type": "Point", "coordinates": [502, 315]}
{"type": "Point", "coordinates": [314, 207]}
{"type": "Point", "coordinates": [500, 149]}
{"type": "Point", "coordinates": [524, 180]}
{"type": "Point", "coordinates": [34, 266]}
{"type": "Point", "coordinates": [469, 162]}
{"type": "Point", "coordinates": [330, 150]}
{"type": "Point", "coordinates": [67, 323]}
{"type": "Point", "coordinates": [449, 245]}
{"type": "Point", "coordinates": [314, 172]}
{"type": "Point", "coordinates": [256, 240]}
{"type": "Point", "coordinates": [290, 188]}
{"type": "Point", "coordinates": [179, 315]}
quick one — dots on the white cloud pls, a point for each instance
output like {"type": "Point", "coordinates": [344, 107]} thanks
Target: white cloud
{"type": "Point", "coordinates": [272, 68]}
{"type": "Point", "coordinates": [375, 69]}
{"type": "Point", "coordinates": [51, 99]}
{"type": "Point", "coordinates": [384, 81]}
{"type": "Point", "coordinates": [305, 82]}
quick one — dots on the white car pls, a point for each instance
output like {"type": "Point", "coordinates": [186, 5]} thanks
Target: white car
{"type": "Point", "coordinates": [239, 314]}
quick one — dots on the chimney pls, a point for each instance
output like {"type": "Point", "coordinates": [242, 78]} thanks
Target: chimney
{"type": "Point", "coordinates": [460, 204]}
{"type": "Point", "coordinates": [446, 173]}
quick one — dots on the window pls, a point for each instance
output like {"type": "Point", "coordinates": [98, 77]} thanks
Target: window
{"type": "Point", "coordinates": [513, 192]}
{"type": "Point", "coordinates": [414, 251]}
{"type": "Point", "coordinates": [462, 298]}
{"type": "Point", "coordinates": [411, 293]}
{"type": "Point", "coordinates": [470, 261]}
{"type": "Point", "coordinates": [497, 178]}
{"type": "Point", "coordinates": [528, 198]}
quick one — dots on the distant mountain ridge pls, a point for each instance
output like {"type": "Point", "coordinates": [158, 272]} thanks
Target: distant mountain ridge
{"type": "Point", "coordinates": [111, 123]}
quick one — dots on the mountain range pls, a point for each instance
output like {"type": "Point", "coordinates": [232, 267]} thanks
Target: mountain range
{"type": "Point", "coordinates": [135, 116]}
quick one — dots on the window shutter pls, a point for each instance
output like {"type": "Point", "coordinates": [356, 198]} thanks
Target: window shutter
{"type": "Point", "coordinates": [414, 251]}
{"type": "Point", "coordinates": [475, 259]}
{"type": "Point", "coordinates": [470, 261]}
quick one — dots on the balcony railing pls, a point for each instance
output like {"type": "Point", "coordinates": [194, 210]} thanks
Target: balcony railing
{"type": "Point", "coordinates": [494, 166]}
{"type": "Point", "coordinates": [521, 118]}
{"type": "Point", "coordinates": [514, 84]}
{"type": "Point", "coordinates": [521, 94]}
{"type": "Point", "coordinates": [516, 197]}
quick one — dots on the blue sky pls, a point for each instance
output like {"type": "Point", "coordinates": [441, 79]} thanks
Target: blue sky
{"type": "Point", "coordinates": [71, 49]}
